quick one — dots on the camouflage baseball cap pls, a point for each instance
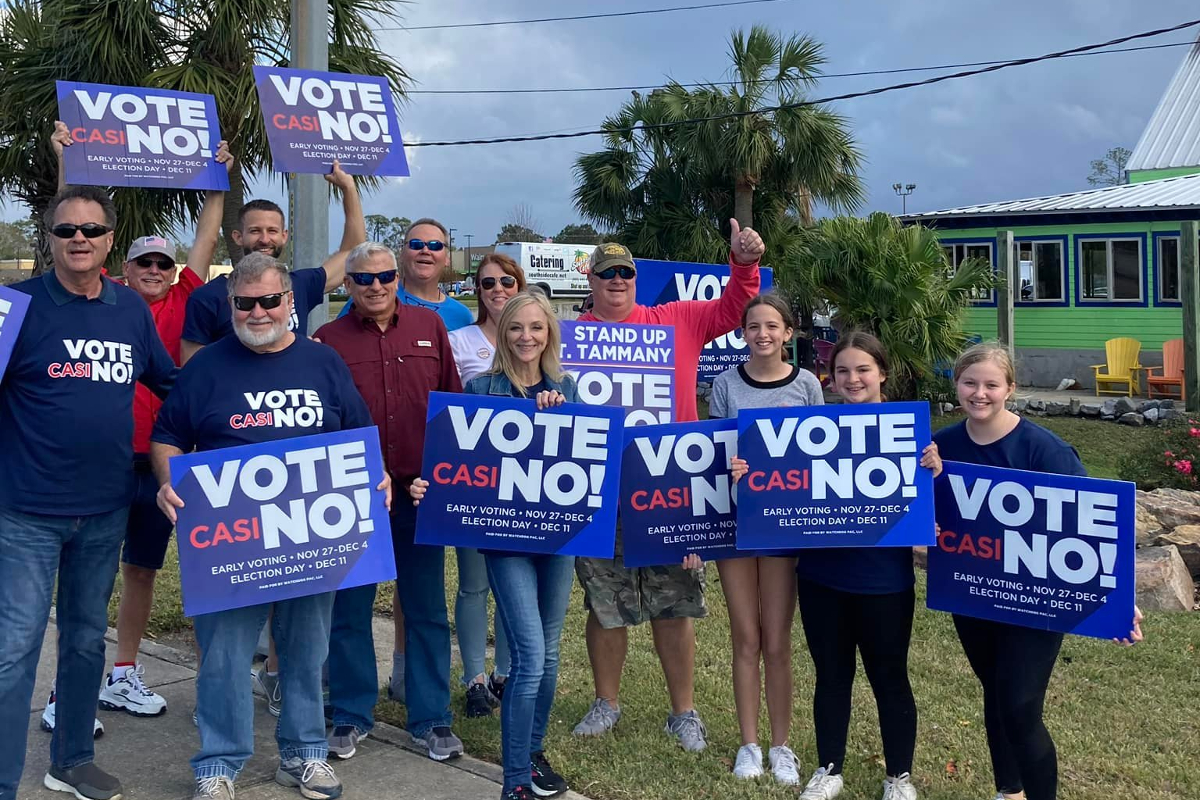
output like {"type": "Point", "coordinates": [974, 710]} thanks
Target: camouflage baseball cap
{"type": "Point", "coordinates": [610, 254]}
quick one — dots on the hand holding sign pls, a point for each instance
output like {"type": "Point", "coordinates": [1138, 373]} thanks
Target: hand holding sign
{"type": "Point", "coordinates": [60, 138]}
{"type": "Point", "coordinates": [337, 178]}
{"type": "Point", "coordinates": [745, 244]}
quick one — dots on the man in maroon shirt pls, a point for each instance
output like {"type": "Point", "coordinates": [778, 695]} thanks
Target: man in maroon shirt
{"type": "Point", "coordinates": [397, 355]}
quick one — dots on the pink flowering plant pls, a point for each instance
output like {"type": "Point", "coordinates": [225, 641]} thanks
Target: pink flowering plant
{"type": "Point", "coordinates": [1170, 458]}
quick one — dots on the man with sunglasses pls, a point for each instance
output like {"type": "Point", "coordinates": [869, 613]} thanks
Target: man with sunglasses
{"type": "Point", "coordinates": [66, 449]}
{"type": "Point", "coordinates": [397, 355]}
{"type": "Point", "coordinates": [670, 597]}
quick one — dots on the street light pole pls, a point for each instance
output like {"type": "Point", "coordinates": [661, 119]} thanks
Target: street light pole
{"type": "Point", "coordinates": [310, 198]}
{"type": "Point", "coordinates": [450, 244]}
{"type": "Point", "coordinates": [468, 267]}
{"type": "Point", "coordinates": [904, 191]}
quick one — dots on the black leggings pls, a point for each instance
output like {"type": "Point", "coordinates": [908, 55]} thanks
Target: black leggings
{"type": "Point", "coordinates": [1014, 664]}
{"type": "Point", "coordinates": [880, 627]}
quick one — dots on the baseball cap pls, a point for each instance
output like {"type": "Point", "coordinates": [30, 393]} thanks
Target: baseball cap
{"type": "Point", "coordinates": [145, 245]}
{"type": "Point", "coordinates": [610, 254]}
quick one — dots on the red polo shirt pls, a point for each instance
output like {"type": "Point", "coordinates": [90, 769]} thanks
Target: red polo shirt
{"type": "Point", "coordinates": [395, 370]}
{"type": "Point", "coordinates": [168, 319]}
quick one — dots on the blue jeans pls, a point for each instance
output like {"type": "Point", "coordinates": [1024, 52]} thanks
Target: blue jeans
{"type": "Point", "coordinates": [83, 553]}
{"type": "Point", "coordinates": [421, 587]}
{"type": "Point", "coordinates": [224, 699]}
{"type": "Point", "coordinates": [470, 618]}
{"type": "Point", "coordinates": [532, 593]}
{"type": "Point", "coordinates": [353, 680]}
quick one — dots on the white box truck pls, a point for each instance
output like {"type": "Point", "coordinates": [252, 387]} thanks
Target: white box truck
{"type": "Point", "coordinates": [559, 269]}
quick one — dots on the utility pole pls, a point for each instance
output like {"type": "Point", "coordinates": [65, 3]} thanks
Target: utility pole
{"type": "Point", "coordinates": [904, 191]}
{"type": "Point", "coordinates": [450, 245]}
{"type": "Point", "coordinates": [310, 198]}
{"type": "Point", "coordinates": [468, 267]}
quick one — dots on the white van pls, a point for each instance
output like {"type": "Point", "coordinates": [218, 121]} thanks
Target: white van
{"type": "Point", "coordinates": [559, 269]}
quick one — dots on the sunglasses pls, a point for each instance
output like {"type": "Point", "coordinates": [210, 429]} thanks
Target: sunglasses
{"type": "Point", "coordinates": [368, 278]}
{"type": "Point", "coordinates": [267, 301]}
{"type": "Point", "coordinates": [420, 244]}
{"type": "Point", "coordinates": [626, 273]}
{"type": "Point", "coordinates": [507, 281]}
{"type": "Point", "coordinates": [147, 263]}
{"type": "Point", "coordinates": [90, 230]}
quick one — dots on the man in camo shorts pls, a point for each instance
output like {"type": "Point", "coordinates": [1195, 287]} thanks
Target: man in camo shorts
{"type": "Point", "coordinates": [669, 597]}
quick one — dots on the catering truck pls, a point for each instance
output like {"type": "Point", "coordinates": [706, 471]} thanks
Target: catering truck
{"type": "Point", "coordinates": [559, 269]}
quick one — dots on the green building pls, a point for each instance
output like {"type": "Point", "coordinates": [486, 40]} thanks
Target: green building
{"type": "Point", "coordinates": [1095, 264]}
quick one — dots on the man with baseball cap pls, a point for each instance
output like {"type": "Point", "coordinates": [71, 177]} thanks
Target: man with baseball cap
{"type": "Point", "coordinates": [670, 597]}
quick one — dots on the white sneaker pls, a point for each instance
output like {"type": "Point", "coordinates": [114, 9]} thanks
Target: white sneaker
{"type": "Point", "coordinates": [822, 785]}
{"type": "Point", "coordinates": [749, 761]}
{"type": "Point", "coordinates": [784, 765]}
{"type": "Point", "coordinates": [126, 692]}
{"type": "Point", "coordinates": [899, 788]}
{"type": "Point", "coordinates": [48, 719]}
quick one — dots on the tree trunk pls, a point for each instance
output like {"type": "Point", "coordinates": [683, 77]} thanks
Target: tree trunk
{"type": "Point", "coordinates": [43, 256]}
{"type": "Point", "coordinates": [234, 199]}
{"type": "Point", "coordinates": [743, 202]}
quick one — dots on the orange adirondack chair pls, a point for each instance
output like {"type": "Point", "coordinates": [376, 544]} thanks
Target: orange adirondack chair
{"type": "Point", "coordinates": [1172, 372]}
{"type": "Point", "coordinates": [1122, 367]}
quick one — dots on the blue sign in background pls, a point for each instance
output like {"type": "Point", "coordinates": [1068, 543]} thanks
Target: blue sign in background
{"type": "Point", "coordinates": [13, 305]}
{"type": "Point", "coordinates": [227, 555]}
{"type": "Point", "coordinates": [855, 483]}
{"type": "Point", "coordinates": [479, 450]}
{"type": "Point", "coordinates": [631, 366]}
{"type": "Point", "coordinates": [667, 281]}
{"type": "Point", "coordinates": [130, 136]}
{"type": "Point", "coordinates": [1008, 555]}
{"type": "Point", "coordinates": [676, 492]}
{"type": "Point", "coordinates": [315, 117]}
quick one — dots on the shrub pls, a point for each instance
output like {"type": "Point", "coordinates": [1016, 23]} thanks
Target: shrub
{"type": "Point", "coordinates": [1167, 458]}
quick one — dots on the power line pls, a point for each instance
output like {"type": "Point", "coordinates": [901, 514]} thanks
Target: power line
{"type": "Point", "coordinates": [821, 76]}
{"type": "Point", "coordinates": [579, 17]}
{"type": "Point", "coordinates": [801, 104]}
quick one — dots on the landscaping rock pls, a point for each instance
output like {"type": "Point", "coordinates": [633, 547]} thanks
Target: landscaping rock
{"type": "Point", "coordinates": [1149, 404]}
{"type": "Point", "coordinates": [1076, 404]}
{"type": "Point", "coordinates": [1166, 403]}
{"type": "Point", "coordinates": [1108, 410]}
{"type": "Point", "coordinates": [1147, 526]}
{"type": "Point", "coordinates": [921, 557]}
{"type": "Point", "coordinates": [1169, 414]}
{"type": "Point", "coordinates": [1132, 418]}
{"type": "Point", "coordinates": [1089, 409]}
{"type": "Point", "coordinates": [1020, 404]}
{"type": "Point", "coordinates": [1036, 406]}
{"type": "Point", "coordinates": [1055, 409]}
{"type": "Point", "coordinates": [1163, 580]}
{"type": "Point", "coordinates": [948, 407]}
{"type": "Point", "coordinates": [1186, 539]}
{"type": "Point", "coordinates": [1171, 508]}
{"type": "Point", "coordinates": [1151, 415]}
{"type": "Point", "coordinates": [1123, 406]}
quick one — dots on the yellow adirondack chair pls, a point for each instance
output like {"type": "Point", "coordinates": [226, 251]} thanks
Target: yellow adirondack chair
{"type": "Point", "coordinates": [1122, 367]}
{"type": "Point", "coordinates": [1172, 372]}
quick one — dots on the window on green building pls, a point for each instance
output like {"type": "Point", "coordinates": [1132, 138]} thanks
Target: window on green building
{"type": "Point", "coordinates": [1110, 269]}
{"type": "Point", "coordinates": [1040, 265]}
{"type": "Point", "coordinates": [1168, 268]}
{"type": "Point", "coordinates": [959, 252]}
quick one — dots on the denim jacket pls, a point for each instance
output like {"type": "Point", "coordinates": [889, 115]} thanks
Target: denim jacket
{"type": "Point", "coordinates": [497, 383]}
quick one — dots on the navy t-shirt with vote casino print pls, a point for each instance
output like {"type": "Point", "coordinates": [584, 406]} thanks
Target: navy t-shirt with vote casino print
{"type": "Point", "coordinates": [66, 400]}
{"type": "Point", "coordinates": [209, 316]}
{"type": "Point", "coordinates": [228, 395]}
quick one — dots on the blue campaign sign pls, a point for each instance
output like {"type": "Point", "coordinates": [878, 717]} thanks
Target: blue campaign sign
{"type": "Point", "coordinates": [313, 118]}
{"type": "Point", "coordinates": [835, 476]}
{"type": "Point", "coordinates": [283, 519]}
{"type": "Point", "coordinates": [1054, 552]}
{"type": "Point", "coordinates": [677, 494]}
{"type": "Point", "coordinates": [129, 136]}
{"type": "Point", "coordinates": [631, 366]}
{"type": "Point", "coordinates": [505, 476]}
{"type": "Point", "coordinates": [13, 305]}
{"type": "Point", "coordinates": [667, 281]}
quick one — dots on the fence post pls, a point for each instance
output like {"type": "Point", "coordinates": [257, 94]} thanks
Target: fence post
{"type": "Point", "coordinates": [1005, 293]}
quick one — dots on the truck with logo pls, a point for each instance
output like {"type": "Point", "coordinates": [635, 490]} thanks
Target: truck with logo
{"type": "Point", "coordinates": [560, 270]}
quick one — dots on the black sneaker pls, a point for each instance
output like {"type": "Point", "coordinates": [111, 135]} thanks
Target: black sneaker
{"type": "Point", "coordinates": [478, 702]}
{"type": "Point", "coordinates": [546, 782]}
{"type": "Point", "coordinates": [86, 781]}
{"type": "Point", "coordinates": [496, 688]}
{"type": "Point", "coordinates": [519, 793]}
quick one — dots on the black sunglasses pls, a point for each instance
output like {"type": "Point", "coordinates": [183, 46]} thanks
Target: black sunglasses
{"type": "Point", "coordinates": [267, 301]}
{"type": "Point", "coordinates": [420, 244]}
{"type": "Point", "coordinates": [91, 230]}
{"type": "Point", "coordinates": [608, 274]}
{"type": "Point", "coordinates": [368, 278]}
{"type": "Point", "coordinates": [507, 281]}
{"type": "Point", "coordinates": [147, 263]}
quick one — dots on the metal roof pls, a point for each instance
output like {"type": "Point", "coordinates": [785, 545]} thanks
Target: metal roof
{"type": "Point", "coordinates": [1172, 137]}
{"type": "Point", "coordinates": [1166, 193]}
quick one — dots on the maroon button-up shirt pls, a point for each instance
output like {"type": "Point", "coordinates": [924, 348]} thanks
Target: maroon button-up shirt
{"type": "Point", "coordinates": [395, 370]}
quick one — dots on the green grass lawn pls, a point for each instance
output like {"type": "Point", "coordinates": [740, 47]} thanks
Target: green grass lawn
{"type": "Point", "coordinates": [1126, 721]}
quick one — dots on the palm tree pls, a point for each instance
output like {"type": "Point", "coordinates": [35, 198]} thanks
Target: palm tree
{"type": "Point", "coordinates": [668, 191]}
{"type": "Point", "coordinates": [892, 280]}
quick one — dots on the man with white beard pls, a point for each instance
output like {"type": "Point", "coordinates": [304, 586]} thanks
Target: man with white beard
{"type": "Point", "coordinates": [212, 407]}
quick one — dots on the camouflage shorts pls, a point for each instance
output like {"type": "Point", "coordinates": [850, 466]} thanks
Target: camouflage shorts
{"type": "Point", "coordinates": [621, 596]}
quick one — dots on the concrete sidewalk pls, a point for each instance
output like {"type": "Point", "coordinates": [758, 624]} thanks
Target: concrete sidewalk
{"type": "Point", "coordinates": [150, 756]}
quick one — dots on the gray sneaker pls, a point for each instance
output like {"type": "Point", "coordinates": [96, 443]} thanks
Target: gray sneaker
{"type": "Point", "coordinates": [215, 788]}
{"type": "Point", "coordinates": [314, 778]}
{"type": "Point", "coordinates": [84, 781]}
{"type": "Point", "coordinates": [690, 731]}
{"type": "Point", "coordinates": [441, 743]}
{"type": "Point", "coordinates": [267, 685]}
{"type": "Point", "coordinates": [343, 741]}
{"type": "Point", "coordinates": [598, 720]}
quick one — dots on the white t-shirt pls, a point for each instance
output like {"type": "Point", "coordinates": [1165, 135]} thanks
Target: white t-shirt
{"type": "Point", "coordinates": [473, 353]}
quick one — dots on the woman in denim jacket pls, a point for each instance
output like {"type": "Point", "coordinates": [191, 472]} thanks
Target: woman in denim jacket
{"type": "Point", "coordinates": [531, 590]}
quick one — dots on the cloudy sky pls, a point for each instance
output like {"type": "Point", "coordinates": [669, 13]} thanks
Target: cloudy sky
{"type": "Point", "coordinates": [1021, 132]}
